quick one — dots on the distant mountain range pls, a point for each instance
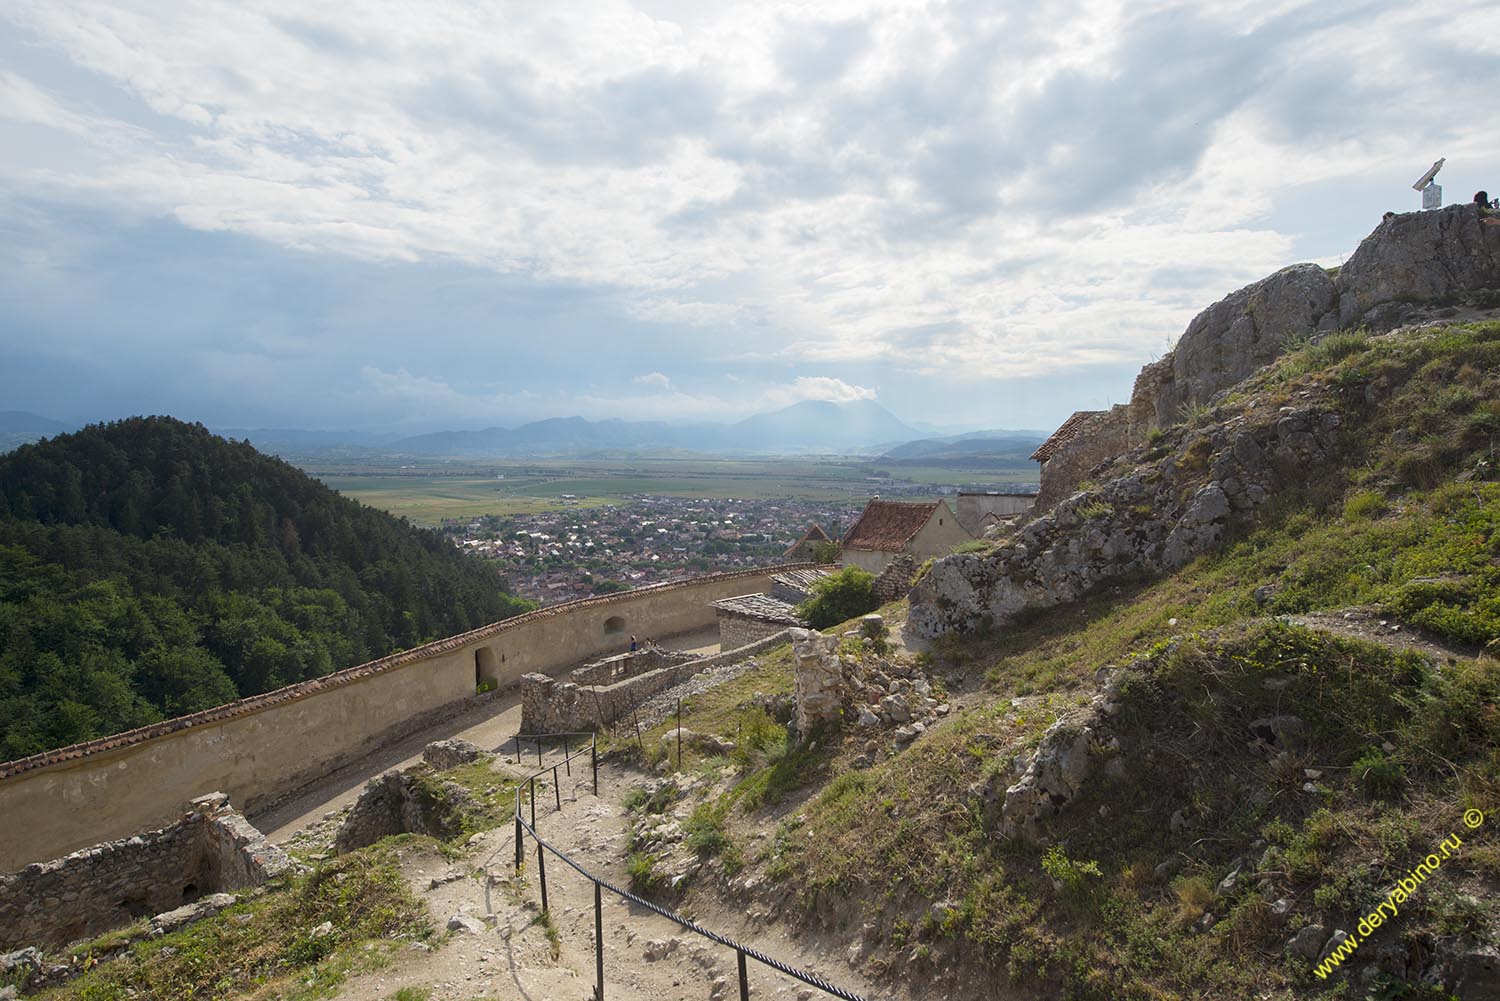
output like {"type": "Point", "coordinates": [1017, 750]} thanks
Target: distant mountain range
{"type": "Point", "coordinates": [817, 426]}
{"type": "Point", "coordinates": [20, 427]}
{"type": "Point", "coordinates": [860, 427]}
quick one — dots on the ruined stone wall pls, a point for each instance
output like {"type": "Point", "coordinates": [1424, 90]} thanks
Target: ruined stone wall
{"type": "Point", "coordinates": [262, 749]}
{"type": "Point", "coordinates": [1104, 437]}
{"type": "Point", "coordinates": [552, 706]}
{"type": "Point", "coordinates": [895, 580]}
{"type": "Point", "coordinates": [50, 904]}
{"type": "Point", "coordinates": [626, 665]}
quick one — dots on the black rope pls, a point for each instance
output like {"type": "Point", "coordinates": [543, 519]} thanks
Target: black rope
{"type": "Point", "coordinates": [811, 979]}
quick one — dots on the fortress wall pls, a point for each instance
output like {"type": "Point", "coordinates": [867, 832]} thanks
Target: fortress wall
{"type": "Point", "coordinates": [266, 747]}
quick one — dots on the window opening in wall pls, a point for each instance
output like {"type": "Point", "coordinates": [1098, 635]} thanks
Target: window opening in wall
{"type": "Point", "coordinates": [614, 624]}
{"type": "Point", "coordinates": [189, 892]}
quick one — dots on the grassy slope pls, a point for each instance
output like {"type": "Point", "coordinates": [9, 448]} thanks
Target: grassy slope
{"type": "Point", "coordinates": [1410, 525]}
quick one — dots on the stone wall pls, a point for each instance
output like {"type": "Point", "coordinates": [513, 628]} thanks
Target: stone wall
{"type": "Point", "coordinates": [626, 665]}
{"type": "Point", "coordinates": [1101, 438]}
{"type": "Point", "coordinates": [398, 802]}
{"type": "Point", "coordinates": [262, 749]}
{"type": "Point", "coordinates": [552, 706]}
{"type": "Point", "coordinates": [736, 631]}
{"type": "Point", "coordinates": [971, 508]}
{"type": "Point", "coordinates": [211, 848]}
{"type": "Point", "coordinates": [895, 580]}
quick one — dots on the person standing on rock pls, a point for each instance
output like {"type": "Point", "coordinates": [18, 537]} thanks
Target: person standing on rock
{"type": "Point", "coordinates": [1486, 207]}
{"type": "Point", "coordinates": [633, 645]}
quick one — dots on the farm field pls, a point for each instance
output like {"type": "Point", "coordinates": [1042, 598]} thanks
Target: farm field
{"type": "Point", "coordinates": [429, 493]}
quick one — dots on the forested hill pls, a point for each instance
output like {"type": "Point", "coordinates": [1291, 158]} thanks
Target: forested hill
{"type": "Point", "coordinates": [150, 569]}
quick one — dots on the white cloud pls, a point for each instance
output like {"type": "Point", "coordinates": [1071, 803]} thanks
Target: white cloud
{"type": "Point", "coordinates": [960, 195]}
{"type": "Point", "coordinates": [815, 387]}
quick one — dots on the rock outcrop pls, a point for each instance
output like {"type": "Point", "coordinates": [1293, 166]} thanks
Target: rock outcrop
{"type": "Point", "coordinates": [1414, 259]}
{"type": "Point", "coordinates": [1157, 518]}
{"type": "Point", "coordinates": [1238, 335]}
{"type": "Point", "coordinates": [1420, 257]}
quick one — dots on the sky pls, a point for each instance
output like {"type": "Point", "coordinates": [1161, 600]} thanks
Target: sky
{"type": "Point", "coordinates": [400, 217]}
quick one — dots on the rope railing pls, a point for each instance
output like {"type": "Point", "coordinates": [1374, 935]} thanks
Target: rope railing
{"type": "Point", "coordinates": [523, 828]}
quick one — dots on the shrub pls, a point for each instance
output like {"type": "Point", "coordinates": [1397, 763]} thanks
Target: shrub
{"type": "Point", "coordinates": [1075, 879]}
{"type": "Point", "coordinates": [1365, 504]}
{"type": "Point", "coordinates": [644, 876]}
{"type": "Point", "coordinates": [836, 598]}
{"type": "Point", "coordinates": [1380, 776]}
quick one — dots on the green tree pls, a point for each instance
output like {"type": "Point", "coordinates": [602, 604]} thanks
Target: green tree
{"type": "Point", "coordinates": [840, 597]}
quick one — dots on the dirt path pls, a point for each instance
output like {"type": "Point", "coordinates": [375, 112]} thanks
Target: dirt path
{"type": "Point", "coordinates": [513, 957]}
{"type": "Point", "coordinates": [1373, 627]}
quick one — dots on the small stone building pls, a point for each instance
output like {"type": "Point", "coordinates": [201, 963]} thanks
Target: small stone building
{"type": "Point", "coordinates": [750, 617]}
{"type": "Point", "coordinates": [888, 529]}
{"type": "Point", "coordinates": [802, 549]}
{"type": "Point", "coordinates": [977, 510]}
{"type": "Point", "coordinates": [1083, 441]}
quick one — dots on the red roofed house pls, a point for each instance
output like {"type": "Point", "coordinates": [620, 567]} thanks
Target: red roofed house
{"type": "Point", "coordinates": [802, 549]}
{"type": "Point", "coordinates": [887, 529]}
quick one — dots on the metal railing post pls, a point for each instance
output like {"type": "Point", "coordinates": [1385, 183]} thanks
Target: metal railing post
{"type": "Point", "coordinates": [541, 872]}
{"type": "Point", "coordinates": [594, 754]}
{"type": "Point", "coordinates": [598, 943]}
{"type": "Point", "coordinates": [679, 735]}
{"type": "Point", "coordinates": [519, 857]}
{"type": "Point", "coordinates": [539, 752]}
{"type": "Point", "coordinates": [567, 758]}
{"type": "Point", "coordinates": [533, 803]}
{"type": "Point", "coordinates": [744, 980]}
{"type": "Point", "coordinates": [556, 787]}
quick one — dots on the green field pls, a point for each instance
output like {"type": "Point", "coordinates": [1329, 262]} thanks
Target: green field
{"type": "Point", "coordinates": [429, 493]}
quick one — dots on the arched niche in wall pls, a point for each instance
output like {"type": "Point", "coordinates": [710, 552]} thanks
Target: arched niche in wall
{"type": "Point", "coordinates": [614, 624]}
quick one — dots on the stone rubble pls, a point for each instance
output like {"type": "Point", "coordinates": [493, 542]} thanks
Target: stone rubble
{"type": "Point", "coordinates": [829, 686]}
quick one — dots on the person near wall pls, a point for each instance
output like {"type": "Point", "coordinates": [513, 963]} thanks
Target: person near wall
{"type": "Point", "coordinates": [633, 645]}
{"type": "Point", "coordinates": [1486, 207]}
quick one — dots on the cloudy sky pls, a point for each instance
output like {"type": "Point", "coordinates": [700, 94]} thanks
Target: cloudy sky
{"type": "Point", "coordinates": [389, 215]}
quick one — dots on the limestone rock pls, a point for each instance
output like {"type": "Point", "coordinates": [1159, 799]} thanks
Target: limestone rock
{"type": "Point", "coordinates": [1476, 974]}
{"type": "Point", "coordinates": [1420, 257]}
{"type": "Point", "coordinates": [1240, 333]}
{"type": "Point", "coordinates": [466, 924]}
{"type": "Point", "coordinates": [21, 967]}
{"type": "Point", "coordinates": [1308, 942]}
{"type": "Point", "coordinates": [1052, 779]}
{"type": "Point", "coordinates": [188, 913]}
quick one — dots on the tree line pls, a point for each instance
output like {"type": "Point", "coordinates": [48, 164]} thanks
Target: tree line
{"type": "Point", "coordinates": [149, 569]}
